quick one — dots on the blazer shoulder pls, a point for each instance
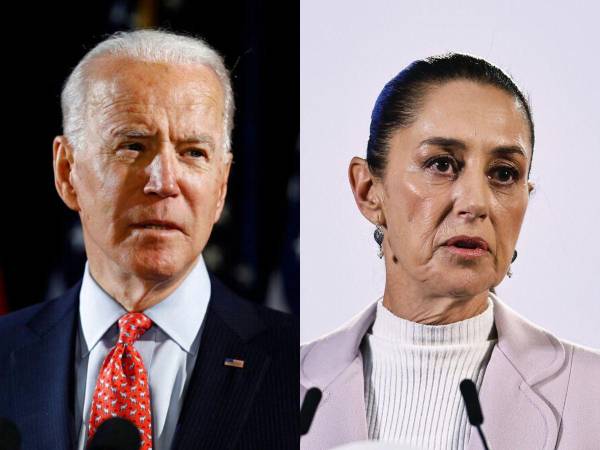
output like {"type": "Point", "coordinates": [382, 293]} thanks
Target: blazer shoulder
{"type": "Point", "coordinates": [348, 334]}
{"type": "Point", "coordinates": [281, 335]}
{"type": "Point", "coordinates": [580, 412]}
{"type": "Point", "coordinates": [324, 359]}
{"type": "Point", "coordinates": [251, 320]}
{"type": "Point", "coordinates": [283, 326]}
{"type": "Point", "coordinates": [585, 367]}
{"type": "Point", "coordinates": [37, 318]}
{"type": "Point", "coordinates": [325, 340]}
{"type": "Point", "coordinates": [275, 318]}
{"type": "Point", "coordinates": [18, 318]}
{"type": "Point", "coordinates": [584, 355]}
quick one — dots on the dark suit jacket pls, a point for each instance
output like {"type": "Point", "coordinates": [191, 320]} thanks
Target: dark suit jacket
{"type": "Point", "coordinates": [225, 407]}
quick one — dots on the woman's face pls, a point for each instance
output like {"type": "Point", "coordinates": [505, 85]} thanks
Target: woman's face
{"type": "Point", "coordinates": [455, 190]}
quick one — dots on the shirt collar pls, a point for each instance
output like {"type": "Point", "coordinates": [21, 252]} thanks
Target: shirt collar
{"type": "Point", "coordinates": [179, 315]}
{"type": "Point", "coordinates": [472, 331]}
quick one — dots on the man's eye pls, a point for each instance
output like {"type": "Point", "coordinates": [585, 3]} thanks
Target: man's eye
{"type": "Point", "coordinates": [196, 153]}
{"type": "Point", "coordinates": [135, 146]}
{"type": "Point", "coordinates": [443, 165]}
{"type": "Point", "coordinates": [504, 174]}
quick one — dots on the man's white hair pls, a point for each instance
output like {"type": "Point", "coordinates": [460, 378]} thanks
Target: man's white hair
{"type": "Point", "coordinates": [142, 45]}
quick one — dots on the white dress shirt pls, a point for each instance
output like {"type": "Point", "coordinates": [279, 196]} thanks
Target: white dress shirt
{"type": "Point", "coordinates": [168, 349]}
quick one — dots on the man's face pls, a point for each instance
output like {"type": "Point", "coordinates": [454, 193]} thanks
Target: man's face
{"type": "Point", "coordinates": [151, 177]}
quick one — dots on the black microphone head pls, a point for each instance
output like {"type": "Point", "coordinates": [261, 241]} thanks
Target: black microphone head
{"type": "Point", "coordinates": [309, 407]}
{"type": "Point", "coordinates": [10, 438]}
{"type": "Point", "coordinates": [469, 394]}
{"type": "Point", "coordinates": [115, 434]}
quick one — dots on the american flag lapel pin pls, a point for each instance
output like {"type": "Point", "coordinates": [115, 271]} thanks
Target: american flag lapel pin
{"type": "Point", "coordinates": [231, 362]}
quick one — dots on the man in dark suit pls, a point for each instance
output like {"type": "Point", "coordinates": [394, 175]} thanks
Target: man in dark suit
{"type": "Point", "coordinates": [148, 334]}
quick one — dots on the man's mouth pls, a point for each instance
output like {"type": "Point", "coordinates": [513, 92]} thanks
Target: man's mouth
{"type": "Point", "coordinates": [156, 227]}
{"type": "Point", "coordinates": [163, 225]}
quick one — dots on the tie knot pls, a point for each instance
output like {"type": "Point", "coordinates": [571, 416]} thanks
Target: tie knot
{"type": "Point", "coordinates": [132, 326]}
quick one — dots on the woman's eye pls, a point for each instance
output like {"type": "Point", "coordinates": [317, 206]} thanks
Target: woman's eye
{"type": "Point", "coordinates": [504, 174]}
{"type": "Point", "coordinates": [442, 165]}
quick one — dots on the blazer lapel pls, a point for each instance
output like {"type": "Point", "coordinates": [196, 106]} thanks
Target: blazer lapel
{"type": "Point", "coordinates": [516, 412]}
{"type": "Point", "coordinates": [334, 365]}
{"type": "Point", "coordinates": [42, 376]}
{"type": "Point", "coordinates": [514, 415]}
{"type": "Point", "coordinates": [219, 397]}
{"type": "Point", "coordinates": [341, 416]}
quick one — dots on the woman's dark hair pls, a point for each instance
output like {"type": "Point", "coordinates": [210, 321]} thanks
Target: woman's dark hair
{"type": "Point", "coordinates": [398, 103]}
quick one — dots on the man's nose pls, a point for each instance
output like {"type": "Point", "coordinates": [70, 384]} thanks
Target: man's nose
{"type": "Point", "coordinates": [472, 196]}
{"type": "Point", "coordinates": [162, 176]}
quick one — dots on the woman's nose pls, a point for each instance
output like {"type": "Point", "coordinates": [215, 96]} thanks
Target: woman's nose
{"type": "Point", "coordinates": [471, 196]}
{"type": "Point", "coordinates": [162, 176]}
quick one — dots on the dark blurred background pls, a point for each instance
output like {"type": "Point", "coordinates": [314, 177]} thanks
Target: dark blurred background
{"type": "Point", "coordinates": [255, 247]}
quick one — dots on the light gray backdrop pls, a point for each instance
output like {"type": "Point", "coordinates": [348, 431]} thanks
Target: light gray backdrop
{"type": "Point", "coordinates": [350, 49]}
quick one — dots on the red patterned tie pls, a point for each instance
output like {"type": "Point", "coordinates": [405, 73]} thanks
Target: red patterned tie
{"type": "Point", "coordinates": [122, 387]}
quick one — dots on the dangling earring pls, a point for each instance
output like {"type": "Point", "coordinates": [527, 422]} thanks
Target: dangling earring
{"type": "Point", "coordinates": [378, 236]}
{"type": "Point", "coordinates": [509, 273]}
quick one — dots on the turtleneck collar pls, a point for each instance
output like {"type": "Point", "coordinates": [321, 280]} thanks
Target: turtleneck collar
{"type": "Point", "coordinates": [475, 330]}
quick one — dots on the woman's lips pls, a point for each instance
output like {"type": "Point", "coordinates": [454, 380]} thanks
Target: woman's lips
{"type": "Point", "coordinates": [467, 252]}
{"type": "Point", "coordinates": [467, 246]}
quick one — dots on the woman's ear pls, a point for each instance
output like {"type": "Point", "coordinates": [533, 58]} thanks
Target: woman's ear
{"type": "Point", "coordinates": [367, 191]}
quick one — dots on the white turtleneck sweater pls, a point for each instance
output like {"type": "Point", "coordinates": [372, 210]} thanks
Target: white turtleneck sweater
{"type": "Point", "coordinates": [412, 376]}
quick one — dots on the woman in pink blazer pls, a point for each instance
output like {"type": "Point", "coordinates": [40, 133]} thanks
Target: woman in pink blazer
{"type": "Point", "coordinates": [446, 184]}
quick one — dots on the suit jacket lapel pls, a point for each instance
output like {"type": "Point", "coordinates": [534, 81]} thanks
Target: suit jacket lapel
{"type": "Point", "coordinates": [514, 415]}
{"type": "Point", "coordinates": [517, 411]}
{"type": "Point", "coordinates": [335, 366]}
{"type": "Point", "coordinates": [219, 397]}
{"type": "Point", "coordinates": [341, 416]}
{"type": "Point", "coordinates": [42, 376]}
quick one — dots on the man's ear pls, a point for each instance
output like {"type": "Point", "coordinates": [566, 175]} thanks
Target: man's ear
{"type": "Point", "coordinates": [367, 191]}
{"type": "Point", "coordinates": [530, 186]}
{"type": "Point", "coordinates": [62, 162]}
{"type": "Point", "coordinates": [224, 177]}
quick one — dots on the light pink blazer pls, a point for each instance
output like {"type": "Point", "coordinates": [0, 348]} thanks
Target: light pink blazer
{"type": "Point", "coordinates": [538, 393]}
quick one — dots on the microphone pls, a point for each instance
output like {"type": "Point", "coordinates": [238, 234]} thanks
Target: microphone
{"type": "Point", "coordinates": [10, 438]}
{"type": "Point", "coordinates": [308, 409]}
{"type": "Point", "coordinates": [469, 395]}
{"type": "Point", "coordinates": [115, 434]}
